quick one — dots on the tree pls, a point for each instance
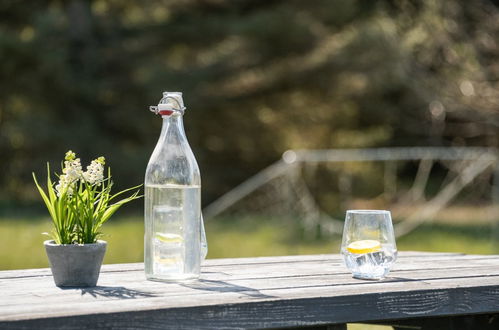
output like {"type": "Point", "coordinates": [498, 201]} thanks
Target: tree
{"type": "Point", "coordinates": [258, 77]}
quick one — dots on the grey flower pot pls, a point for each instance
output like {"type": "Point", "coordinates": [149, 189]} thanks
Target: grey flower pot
{"type": "Point", "coordinates": [75, 264]}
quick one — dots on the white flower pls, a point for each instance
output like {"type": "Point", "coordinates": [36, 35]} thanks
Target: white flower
{"type": "Point", "coordinates": [95, 171]}
{"type": "Point", "coordinates": [72, 168]}
{"type": "Point", "coordinates": [72, 172]}
{"type": "Point", "coordinates": [65, 184]}
{"type": "Point", "coordinates": [70, 155]}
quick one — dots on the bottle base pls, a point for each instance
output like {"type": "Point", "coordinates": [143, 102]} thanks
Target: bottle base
{"type": "Point", "coordinates": [172, 278]}
{"type": "Point", "coordinates": [368, 277]}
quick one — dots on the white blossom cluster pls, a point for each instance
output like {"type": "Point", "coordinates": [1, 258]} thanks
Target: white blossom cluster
{"type": "Point", "coordinates": [95, 171]}
{"type": "Point", "coordinates": [72, 172]}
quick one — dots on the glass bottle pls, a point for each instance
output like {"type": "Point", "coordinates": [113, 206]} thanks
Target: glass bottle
{"type": "Point", "coordinates": [174, 241]}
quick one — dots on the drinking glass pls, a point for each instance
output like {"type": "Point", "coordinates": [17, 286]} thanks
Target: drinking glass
{"type": "Point", "coordinates": [368, 246]}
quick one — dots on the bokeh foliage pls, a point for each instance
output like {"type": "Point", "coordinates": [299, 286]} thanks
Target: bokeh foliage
{"type": "Point", "coordinates": [258, 76]}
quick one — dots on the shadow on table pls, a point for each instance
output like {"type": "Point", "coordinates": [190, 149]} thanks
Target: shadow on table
{"type": "Point", "coordinates": [401, 279]}
{"type": "Point", "coordinates": [221, 286]}
{"type": "Point", "coordinates": [119, 292]}
{"type": "Point", "coordinates": [384, 280]}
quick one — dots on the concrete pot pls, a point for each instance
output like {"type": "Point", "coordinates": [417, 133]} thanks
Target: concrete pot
{"type": "Point", "coordinates": [75, 264]}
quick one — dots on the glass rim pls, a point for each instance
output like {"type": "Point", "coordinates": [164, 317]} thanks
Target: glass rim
{"type": "Point", "coordinates": [368, 211]}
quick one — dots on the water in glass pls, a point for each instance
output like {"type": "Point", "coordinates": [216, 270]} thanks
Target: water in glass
{"type": "Point", "coordinates": [368, 246]}
{"type": "Point", "coordinates": [174, 213]}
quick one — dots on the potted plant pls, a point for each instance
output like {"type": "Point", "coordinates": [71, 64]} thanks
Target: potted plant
{"type": "Point", "coordinates": [79, 204]}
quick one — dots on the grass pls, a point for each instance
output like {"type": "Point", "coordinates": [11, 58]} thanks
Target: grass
{"type": "Point", "coordinates": [368, 327]}
{"type": "Point", "coordinates": [21, 242]}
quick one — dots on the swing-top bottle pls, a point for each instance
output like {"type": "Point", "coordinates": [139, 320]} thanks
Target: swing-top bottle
{"type": "Point", "coordinates": [174, 242]}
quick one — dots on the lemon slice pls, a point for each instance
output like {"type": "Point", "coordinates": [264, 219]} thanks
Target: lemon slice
{"type": "Point", "coordinates": [364, 246]}
{"type": "Point", "coordinates": [168, 238]}
{"type": "Point", "coordinates": [167, 261]}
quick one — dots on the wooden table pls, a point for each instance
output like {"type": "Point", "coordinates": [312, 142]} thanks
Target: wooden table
{"type": "Point", "coordinates": [429, 290]}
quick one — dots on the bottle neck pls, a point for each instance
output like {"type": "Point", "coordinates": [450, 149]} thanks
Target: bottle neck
{"type": "Point", "coordinates": [173, 122]}
{"type": "Point", "coordinates": [172, 161]}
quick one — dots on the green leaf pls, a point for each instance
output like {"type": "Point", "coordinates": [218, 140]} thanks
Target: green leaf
{"type": "Point", "coordinates": [124, 191]}
{"type": "Point", "coordinates": [114, 207]}
{"type": "Point", "coordinates": [50, 187]}
{"type": "Point", "coordinates": [45, 198]}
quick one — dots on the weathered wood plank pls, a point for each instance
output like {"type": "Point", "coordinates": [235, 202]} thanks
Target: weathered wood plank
{"type": "Point", "coordinates": [257, 293]}
{"type": "Point", "coordinates": [482, 266]}
{"type": "Point", "coordinates": [192, 294]}
{"type": "Point", "coordinates": [333, 265]}
{"type": "Point", "coordinates": [273, 271]}
{"type": "Point", "coordinates": [436, 260]}
{"type": "Point", "coordinates": [278, 313]}
{"type": "Point", "coordinates": [250, 273]}
{"type": "Point", "coordinates": [236, 261]}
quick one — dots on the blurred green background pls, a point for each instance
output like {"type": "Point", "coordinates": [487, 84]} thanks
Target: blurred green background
{"type": "Point", "coordinates": [259, 77]}
{"type": "Point", "coordinates": [22, 242]}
